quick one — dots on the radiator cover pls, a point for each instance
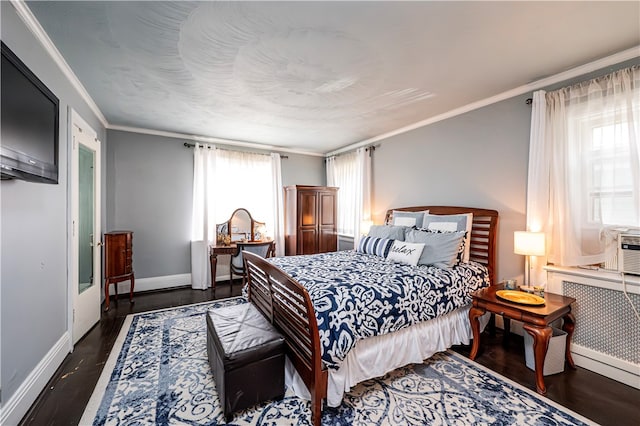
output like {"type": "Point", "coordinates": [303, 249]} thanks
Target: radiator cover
{"type": "Point", "coordinates": [605, 321]}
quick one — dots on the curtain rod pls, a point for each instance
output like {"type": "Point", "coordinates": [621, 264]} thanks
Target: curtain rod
{"type": "Point", "coordinates": [192, 145]}
{"type": "Point", "coordinates": [370, 149]}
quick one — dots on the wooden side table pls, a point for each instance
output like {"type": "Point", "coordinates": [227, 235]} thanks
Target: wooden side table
{"type": "Point", "coordinates": [219, 250]}
{"type": "Point", "coordinates": [536, 321]}
{"type": "Point", "coordinates": [214, 252]}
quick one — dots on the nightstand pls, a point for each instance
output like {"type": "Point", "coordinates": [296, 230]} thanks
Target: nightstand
{"type": "Point", "coordinates": [536, 321]}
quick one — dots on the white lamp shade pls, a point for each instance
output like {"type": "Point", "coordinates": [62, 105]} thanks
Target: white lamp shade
{"type": "Point", "coordinates": [528, 243]}
{"type": "Point", "coordinates": [365, 226]}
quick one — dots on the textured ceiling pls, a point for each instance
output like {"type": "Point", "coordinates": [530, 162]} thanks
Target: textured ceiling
{"type": "Point", "coordinates": [317, 76]}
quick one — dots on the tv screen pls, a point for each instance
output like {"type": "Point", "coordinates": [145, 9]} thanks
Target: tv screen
{"type": "Point", "coordinates": [29, 121]}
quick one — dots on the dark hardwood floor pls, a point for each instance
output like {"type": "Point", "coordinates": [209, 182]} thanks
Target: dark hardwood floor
{"type": "Point", "coordinates": [62, 402]}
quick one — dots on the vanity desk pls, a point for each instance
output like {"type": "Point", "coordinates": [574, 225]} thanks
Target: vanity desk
{"type": "Point", "coordinates": [240, 228]}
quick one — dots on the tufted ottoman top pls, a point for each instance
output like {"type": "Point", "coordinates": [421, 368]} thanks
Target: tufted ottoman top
{"type": "Point", "coordinates": [243, 335]}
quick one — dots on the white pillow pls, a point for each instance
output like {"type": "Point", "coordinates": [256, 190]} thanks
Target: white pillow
{"type": "Point", "coordinates": [452, 223]}
{"type": "Point", "coordinates": [404, 252]}
{"type": "Point", "coordinates": [409, 219]}
{"type": "Point", "coordinates": [404, 221]}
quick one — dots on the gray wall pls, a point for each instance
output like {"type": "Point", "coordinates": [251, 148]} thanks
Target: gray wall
{"type": "Point", "coordinates": [478, 159]}
{"type": "Point", "coordinates": [33, 220]}
{"type": "Point", "coordinates": [303, 170]}
{"type": "Point", "coordinates": [149, 191]}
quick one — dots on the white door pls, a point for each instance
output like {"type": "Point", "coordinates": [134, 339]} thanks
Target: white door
{"type": "Point", "coordinates": [86, 243]}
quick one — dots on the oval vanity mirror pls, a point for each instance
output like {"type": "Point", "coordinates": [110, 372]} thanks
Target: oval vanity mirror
{"type": "Point", "coordinates": [241, 225]}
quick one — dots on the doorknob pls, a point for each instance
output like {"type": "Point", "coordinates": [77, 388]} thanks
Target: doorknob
{"type": "Point", "coordinates": [99, 244]}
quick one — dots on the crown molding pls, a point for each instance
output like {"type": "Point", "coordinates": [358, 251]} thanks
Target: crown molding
{"type": "Point", "coordinates": [211, 140]}
{"type": "Point", "coordinates": [34, 26]}
{"type": "Point", "coordinates": [616, 58]}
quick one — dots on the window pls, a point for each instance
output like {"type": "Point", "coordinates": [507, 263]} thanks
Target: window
{"type": "Point", "coordinates": [244, 180]}
{"type": "Point", "coordinates": [610, 191]}
{"type": "Point", "coordinates": [225, 180]}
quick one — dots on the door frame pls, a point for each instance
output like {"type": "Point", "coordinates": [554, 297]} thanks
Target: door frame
{"type": "Point", "coordinates": [74, 119]}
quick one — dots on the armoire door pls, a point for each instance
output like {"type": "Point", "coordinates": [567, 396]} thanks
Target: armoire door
{"type": "Point", "coordinates": [307, 222]}
{"type": "Point", "coordinates": [327, 238]}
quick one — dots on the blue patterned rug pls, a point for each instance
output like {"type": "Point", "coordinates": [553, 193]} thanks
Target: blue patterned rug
{"type": "Point", "coordinates": [158, 373]}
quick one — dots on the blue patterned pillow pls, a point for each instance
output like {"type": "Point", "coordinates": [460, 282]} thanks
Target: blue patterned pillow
{"type": "Point", "coordinates": [463, 248]}
{"type": "Point", "coordinates": [374, 245]}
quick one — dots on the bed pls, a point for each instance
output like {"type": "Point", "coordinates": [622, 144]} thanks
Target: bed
{"type": "Point", "coordinates": [310, 299]}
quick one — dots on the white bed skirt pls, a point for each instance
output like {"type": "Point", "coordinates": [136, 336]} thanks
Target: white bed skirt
{"type": "Point", "coordinates": [376, 356]}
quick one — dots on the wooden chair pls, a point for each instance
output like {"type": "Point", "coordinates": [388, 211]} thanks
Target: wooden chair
{"type": "Point", "coordinates": [236, 265]}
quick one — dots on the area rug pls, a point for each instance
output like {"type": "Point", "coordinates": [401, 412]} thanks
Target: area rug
{"type": "Point", "coordinates": [158, 373]}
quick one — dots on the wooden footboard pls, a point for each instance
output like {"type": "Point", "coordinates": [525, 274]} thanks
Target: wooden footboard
{"type": "Point", "coordinates": [287, 305]}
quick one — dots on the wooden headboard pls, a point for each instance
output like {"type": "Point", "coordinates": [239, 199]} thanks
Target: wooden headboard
{"type": "Point", "coordinates": [483, 232]}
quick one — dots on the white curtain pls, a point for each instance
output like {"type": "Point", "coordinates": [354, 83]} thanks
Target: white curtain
{"type": "Point", "coordinates": [364, 160]}
{"type": "Point", "coordinates": [341, 173]}
{"type": "Point", "coordinates": [584, 167]}
{"type": "Point", "coordinates": [351, 173]}
{"type": "Point", "coordinates": [538, 219]}
{"type": "Point", "coordinates": [225, 180]}
{"type": "Point", "coordinates": [203, 214]}
{"type": "Point", "coordinates": [278, 203]}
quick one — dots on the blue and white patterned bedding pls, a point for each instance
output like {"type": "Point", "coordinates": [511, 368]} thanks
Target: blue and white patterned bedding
{"type": "Point", "coordinates": [357, 295]}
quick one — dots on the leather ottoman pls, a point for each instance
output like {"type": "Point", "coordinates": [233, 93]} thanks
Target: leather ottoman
{"type": "Point", "coordinates": [246, 354]}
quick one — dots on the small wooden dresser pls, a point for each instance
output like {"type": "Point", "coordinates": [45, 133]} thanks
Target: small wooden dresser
{"type": "Point", "coordinates": [118, 259]}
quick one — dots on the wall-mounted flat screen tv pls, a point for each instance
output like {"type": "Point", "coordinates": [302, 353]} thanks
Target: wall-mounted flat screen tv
{"type": "Point", "coordinates": [29, 121]}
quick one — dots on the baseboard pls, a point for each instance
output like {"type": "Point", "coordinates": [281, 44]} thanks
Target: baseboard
{"type": "Point", "coordinates": [160, 283]}
{"type": "Point", "coordinates": [222, 278]}
{"type": "Point", "coordinates": [14, 410]}
{"type": "Point", "coordinates": [606, 365]}
{"type": "Point", "coordinates": [155, 283]}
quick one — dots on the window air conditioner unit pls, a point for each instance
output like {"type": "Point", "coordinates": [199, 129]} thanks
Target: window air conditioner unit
{"type": "Point", "coordinates": [629, 253]}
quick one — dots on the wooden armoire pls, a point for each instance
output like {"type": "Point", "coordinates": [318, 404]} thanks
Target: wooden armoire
{"type": "Point", "coordinates": [310, 219]}
{"type": "Point", "coordinates": [118, 261]}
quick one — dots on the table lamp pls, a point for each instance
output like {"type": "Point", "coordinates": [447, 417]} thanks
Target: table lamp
{"type": "Point", "coordinates": [365, 226]}
{"type": "Point", "coordinates": [528, 244]}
